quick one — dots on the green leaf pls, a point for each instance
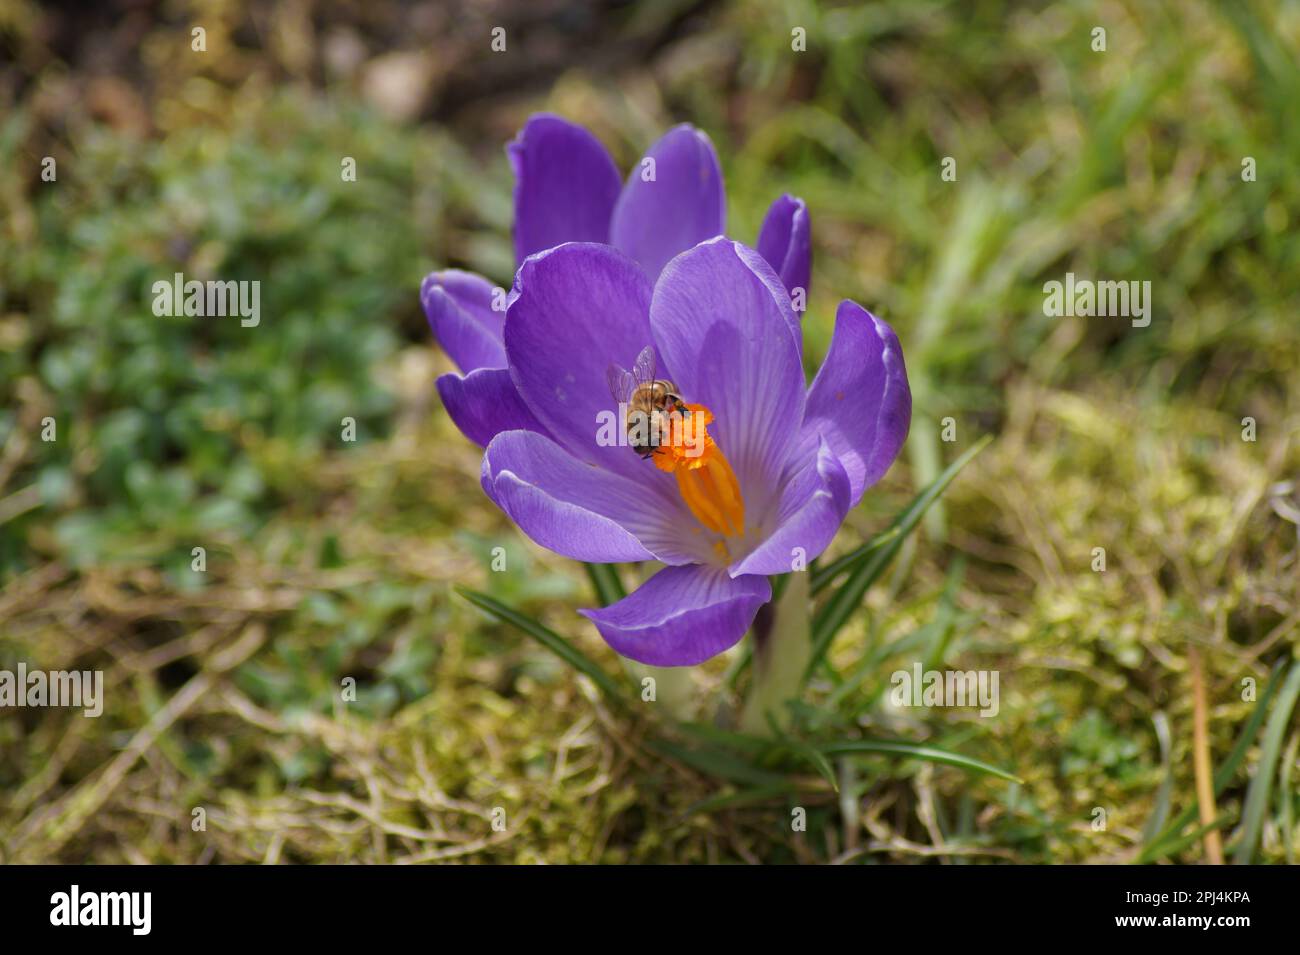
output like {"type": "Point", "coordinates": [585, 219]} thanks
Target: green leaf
{"type": "Point", "coordinates": [1252, 816]}
{"type": "Point", "coordinates": [824, 575]}
{"type": "Point", "coordinates": [605, 581]}
{"type": "Point", "coordinates": [917, 751]}
{"type": "Point", "coordinates": [720, 763]}
{"type": "Point", "coordinates": [816, 758]}
{"type": "Point", "coordinates": [557, 644]}
{"type": "Point", "coordinates": [751, 749]}
{"type": "Point", "coordinates": [717, 736]}
{"type": "Point", "coordinates": [870, 561]}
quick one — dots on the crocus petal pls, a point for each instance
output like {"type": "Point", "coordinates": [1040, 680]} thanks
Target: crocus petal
{"type": "Point", "coordinates": [484, 403]}
{"type": "Point", "coordinates": [584, 512]}
{"type": "Point", "coordinates": [682, 615]}
{"type": "Point", "coordinates": [683, 204]}
{"type": "Point", "coordinates": [860, 401]}
{"type": "Point", "coordinates": [566, 185]}
{"type": "Point", "coordinates": [785, 240]}
{"type": "Point", "coordinates": [558, 523]}
{"type": "Point", "coordinates": [580, 307]}
{"type": "Point", "coordinates": [723, 323]}
{"type": "Point", "coordinates": [811, 509]}
{"type": "Point", "coordinates": [459, 307]}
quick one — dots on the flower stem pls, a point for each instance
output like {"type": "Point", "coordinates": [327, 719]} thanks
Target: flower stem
{"type": "Point", "coordinates": [673, 689]}
{"type": "Point", "coordinates": [782, 648]}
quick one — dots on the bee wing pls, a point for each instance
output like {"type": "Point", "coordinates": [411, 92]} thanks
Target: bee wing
{"type": "Point", "coordinates": [643, 370]}
{"type": "Point", "coordinates": [621, 383]}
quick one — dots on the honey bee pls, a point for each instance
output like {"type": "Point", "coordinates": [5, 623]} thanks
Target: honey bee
{"type": "Point", "coordinates": [650, 402]}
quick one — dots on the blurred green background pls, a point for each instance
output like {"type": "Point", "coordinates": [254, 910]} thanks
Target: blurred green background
{"type": "Point", "coordinates": [329, 559]}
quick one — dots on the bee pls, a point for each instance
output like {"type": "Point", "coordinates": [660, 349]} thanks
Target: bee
{"type": "Point", "coordinates": [650, 402]}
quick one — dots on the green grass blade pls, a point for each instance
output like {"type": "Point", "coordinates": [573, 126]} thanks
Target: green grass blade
{"type": "Point", "coordinates": [1252, 816]}
{"type": "Point", "coordinates": [872, 561]}
{"type": "Point", "coordinates": [917, 751]}
{"type": "Point", "coordinates": [1223, 775]}
{"type": "Point", "coordinates": [813, 756]}
{"type": "Point", "coordinates": [760, 748]}
{"type": "Point", "coordinates": [901, 525]}
{"type": "Point", "coordinates": [1179, 843]}
{"type": "Point", "coordinates": [824, 575]}
{"type": "Point", "coordinates": [1286, 796]}
{"type": "Point", "coordinates": [743, 661]}
{"type": "Point", "coordinates": [722, 764]}
{"type": "Point", "coordinates": [1155, 848]}
{"type": "Point", "coordinates": [712, 735]}
{"type": "Point", "coordinates": [557, 644]}
{"type": "Point", "coordinates": [606, 583]}
{"type": "Point", "coordinates": [1164, 795]}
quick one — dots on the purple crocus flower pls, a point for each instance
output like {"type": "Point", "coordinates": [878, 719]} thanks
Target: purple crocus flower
{"type": "Point", "coordinates": [567, 189]}
{"type": "Point", "coordinates": [781, 463]}
{"type": "Point", "coordinates": [792, 459]}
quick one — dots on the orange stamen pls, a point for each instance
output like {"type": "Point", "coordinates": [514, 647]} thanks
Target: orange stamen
{"type": "Point", "coordinates": [704, 476]}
